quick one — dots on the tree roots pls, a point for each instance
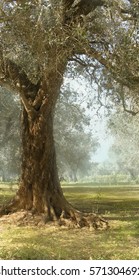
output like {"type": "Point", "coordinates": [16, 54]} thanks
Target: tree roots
{"type": "Point", "coordinates": [70, 219]}
{"type": "Point", "coordinates": [79, 220]}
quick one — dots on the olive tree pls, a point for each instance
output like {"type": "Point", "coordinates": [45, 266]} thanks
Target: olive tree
{"type": "Point", "coordinates": [39, 40]}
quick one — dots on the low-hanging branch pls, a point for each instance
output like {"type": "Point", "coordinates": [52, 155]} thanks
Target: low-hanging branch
{"type": "Point", "coordinates": [129, 81]}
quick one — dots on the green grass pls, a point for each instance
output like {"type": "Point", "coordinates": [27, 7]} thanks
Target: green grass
{"type": "Point", "coordinates": [119, 204]}
{"type": "Point", "coordinates": [7, 191]}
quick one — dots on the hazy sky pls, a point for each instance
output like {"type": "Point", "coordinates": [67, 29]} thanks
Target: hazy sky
{"type": "Point", "coordinates": [98, 124]}
{"type": "Point", "coordinates": [105, 141]}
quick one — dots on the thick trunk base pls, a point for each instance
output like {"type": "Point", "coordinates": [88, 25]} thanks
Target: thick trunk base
{"type": "Point", "coordinates": [69, 217]}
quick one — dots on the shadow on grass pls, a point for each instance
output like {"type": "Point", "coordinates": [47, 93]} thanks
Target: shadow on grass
{"type": "Point", "coordinates": [123, 201]}
{"type": "Point", "coordinates": [122, 207]}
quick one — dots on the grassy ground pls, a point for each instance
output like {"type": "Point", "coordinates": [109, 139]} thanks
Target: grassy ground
{"type": "Point", "coordinates": [120, 205]}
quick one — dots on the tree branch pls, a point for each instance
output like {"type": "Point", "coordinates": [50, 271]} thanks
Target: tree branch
{"type": "Point", "coordinates": [67, 4]}
{"type": "Point", "coordinates": [129, 14]}
{"type": "Point", "coordinates": [43, 110]}
{"type": "Point", "coordinates": [129, 81]}
{"type": "Point", "coordinates": [8, 85]}
{"type": "Point", "coordinates": [81, 61]}
{"type": "Point", "coordinates": [93, 53]}
{"type": "Point", "coordinates": [38, 100]}
{"type": "Point", "coordinates": [74, 11]}
{"type": "Point", "coordinates": [32, 113]}
{"type": "Point", "coordinates": [84, 7]}
{"type": "Point", "coordinates": [13, 76]}
{"type": "Point", "coordinates": [124, 105]}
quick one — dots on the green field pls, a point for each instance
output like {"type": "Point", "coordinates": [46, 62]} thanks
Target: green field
{"type": "Point", "coordinates": [119, 204]}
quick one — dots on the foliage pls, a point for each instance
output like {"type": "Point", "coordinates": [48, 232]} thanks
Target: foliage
{"type": "Point", "coordinates": [102, 31]}
{"type": "Point", "coordinates": [124, 150]}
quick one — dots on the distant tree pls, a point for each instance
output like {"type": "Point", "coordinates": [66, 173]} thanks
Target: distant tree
{"type": "Point", "coordinates": [74, 141]}
{"type": "Point", "coordinates": [10, 135]}
{"type": "Point", "coordinates": [125, 149]}
{"type": "Point", "coordinates": [39, 39]}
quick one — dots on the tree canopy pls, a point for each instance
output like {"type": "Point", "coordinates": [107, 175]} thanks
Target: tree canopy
{"type": "Point", "coordinates": [104, 31]}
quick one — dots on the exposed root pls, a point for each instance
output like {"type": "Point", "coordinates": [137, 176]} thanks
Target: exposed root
{"type": "Point", "coordinates": [77, 220]}
{"type": "Point", "coordinates": [24, 218]}
{"type": "Point", "coordinates": [70, 218]}
{"type": "Point", "coordinates": [80, 220]}
{"type": "Point", "coordinates": [27, 218]}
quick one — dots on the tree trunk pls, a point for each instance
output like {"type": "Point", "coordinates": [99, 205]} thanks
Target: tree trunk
{"type": "Point", "coordinates": [40, 189]}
